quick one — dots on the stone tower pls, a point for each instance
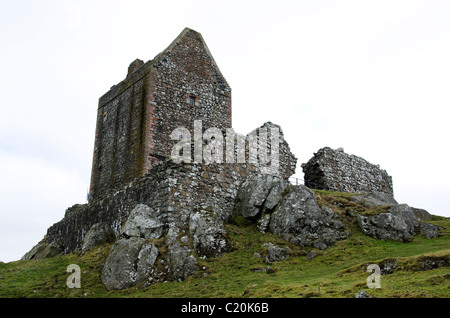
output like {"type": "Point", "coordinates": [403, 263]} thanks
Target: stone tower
{"type": "Point", "coordinates": [136, 117]}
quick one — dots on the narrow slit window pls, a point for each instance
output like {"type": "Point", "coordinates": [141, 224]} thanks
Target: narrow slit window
{"type": "Point", "coordinates": [192, 100]}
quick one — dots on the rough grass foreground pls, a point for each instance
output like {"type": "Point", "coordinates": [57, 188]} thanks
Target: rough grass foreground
{"type": "Point", "coordinates": [416, 269]}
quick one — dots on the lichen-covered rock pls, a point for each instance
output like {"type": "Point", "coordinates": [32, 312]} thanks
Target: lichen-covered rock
{"type": "Point", "coordinates": [385, 226]}
{"type": "Point", "coordinates": [119, 270]}
{"type": "Point", "coordinates": [374, 199]}
{"type": "Point", "coordinates": [399, 224]}
{"type": "Point", "coordinates": [182, 263]}
{"type": "Point", "coordinates": [43, 250]}
{"type": "Point", "coordinates": [421, 214]}
{"type": "Point", "coordinates": [428, 230]}
{"type": "Point", "coordinates": [143, 222]}
{"type": "Point", "coordinates": [258, 195]}
{"type": "Point", "coordinates": [276, 253]}
{"type": "Point", "coordinates": [300, 220]}
{"type": "Point", "coordinates": [99, 233]}
{"type": "Point", "coordinates": [208, 233]}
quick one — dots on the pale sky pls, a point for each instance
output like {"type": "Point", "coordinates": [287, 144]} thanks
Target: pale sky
{"type": "Point", "coordinates": [372, 77]}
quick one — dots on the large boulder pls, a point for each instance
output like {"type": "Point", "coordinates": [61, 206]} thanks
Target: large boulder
{"type": "Point", "coordinates": [300, 220]}
{"type": "Point", "coordinates": [374, 198]}
{"type": "Point", "coordinates": [385, 226]}
{"type": "Point", "coordinates": [259, 195]}
{"type": "Point", "coordinates": [128, 263]}
{"type": "Point", "coordinates": [43, 250]}
{"type": "Point", "coordinates": [399, 224]}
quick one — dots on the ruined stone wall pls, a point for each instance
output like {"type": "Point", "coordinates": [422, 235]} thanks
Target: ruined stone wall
{"type": "Point", "coordinates": [336, 170]}
{"type": "Point", "coordinates": [174, 191]}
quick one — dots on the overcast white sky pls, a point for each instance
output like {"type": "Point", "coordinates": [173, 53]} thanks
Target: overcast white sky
{"type": "Point", "coordinates": [372, 77]}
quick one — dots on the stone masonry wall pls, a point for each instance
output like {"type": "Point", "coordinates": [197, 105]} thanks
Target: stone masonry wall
{"type": "Point", "coordinates": [185, 70]}
{"type": "Point", "coordinates": [336, 170]}
{"type": "Point", "coordinates": [173, 191]}
{"type": "Point", "coordinates": [137, 116]}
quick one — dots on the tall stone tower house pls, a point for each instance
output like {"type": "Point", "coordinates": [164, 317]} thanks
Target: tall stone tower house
{"type": "Point", "coordinates": [136, 117]}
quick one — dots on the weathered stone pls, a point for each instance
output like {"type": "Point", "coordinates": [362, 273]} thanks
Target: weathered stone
{"type": "Point", "coordinates": [374, 199]}
{"type": "Point", "coordinates": [385, 226]}
{"type": "Point", "coordinates": [142, 222]}
{"type": "Point", "coordinates": [208, 233]}
{"type": "Point", "coordinates": [119, 270]}
{"type": "Point", "coordinates": [172, 235]}
{"type": "Point", "coordinates": [335, 170]}
{"type": "Point", "coordinates": [182, 263]}
{"type": "Point", "coordinates": [362, 294]}
{"type": "Point", "coordinates": [399, 224]}
{"type": "Point", "coordinates": [301, 221]}
{"type": "Point", "coordinates": [311, 255]}
{"type": "Point", "coordinates": [275, 253]}
{"type": "Point", "coordinates": [43, 250]}
{"type": "Point", "coordinates": [429, 231]}
{"type": "Point", "coordinates": [263, 223]}
{"type": "Point", "coordinates": [98, 234]}
{"type": "Point", "coordinates": [146, 259]}
{"type": "Point", "coordinates": [259, 194]}
{"type": "Point", "coordinates": [405, 212]}
{"type": "Point", "coordinates": [421, 214]}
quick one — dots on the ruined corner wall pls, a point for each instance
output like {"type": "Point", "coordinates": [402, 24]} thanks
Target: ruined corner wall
{"type": "Point", "coordinates": [336, 170]}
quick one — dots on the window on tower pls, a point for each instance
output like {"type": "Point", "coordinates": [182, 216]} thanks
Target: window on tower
{"type": "Point", "coordinates": [191, 100]}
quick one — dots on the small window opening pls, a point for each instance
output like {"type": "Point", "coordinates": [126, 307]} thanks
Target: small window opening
{"type": "Point", "coordinates": [192, 100]}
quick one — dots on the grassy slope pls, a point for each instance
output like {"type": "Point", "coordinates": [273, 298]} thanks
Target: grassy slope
{"type": "Point", "coordinates": [339, 271]}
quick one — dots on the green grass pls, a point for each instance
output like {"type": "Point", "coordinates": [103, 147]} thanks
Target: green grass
{"type": "Point", "coordinates": [339, 271]}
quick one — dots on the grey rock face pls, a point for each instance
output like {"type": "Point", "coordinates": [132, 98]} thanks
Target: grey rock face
{"type": "Point", "coordinates": [301, 221]}
{"type": "Point", "coordinates": [119, 270]}
{"type": "Point", "coordinates": [374, 198]}
{"type": "Point", "coordinates": [399, 224]}
{"type": "Point", "coordinates": [98, 234]}
{"type": "Point", "coordinates": [182, 263]}
{"type": "Point", "coordinates": [259, 194]}
{"type": "Point", "coordinates": [208, 233]}
{"type": "Point", "coordinates": [429, 231]}
{"type": "Point", "coordinates": [142, 222]}
{"type": "Point", "coordinates": [43, 250]}
{"type": "Point", "coordinates": [421, 214]}
{"type": "Point", "coordinates": [385, 226]}
{"type": "Point", "coordinates": [276, 253]}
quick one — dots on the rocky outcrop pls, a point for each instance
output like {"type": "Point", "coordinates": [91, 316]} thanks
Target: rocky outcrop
{"type": "Point", "coordinates": [374, 198]}
{"type": "Point", "coordinates": [43, 250]}
{"type": "Point", "coordinates": [400, 224]}
{"type": "Point", "coordinates": [336, 170]}
{"type": "Point", "coordinates": [300, 220]}
{"type": "Point", "coordinates": [259, 195]}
